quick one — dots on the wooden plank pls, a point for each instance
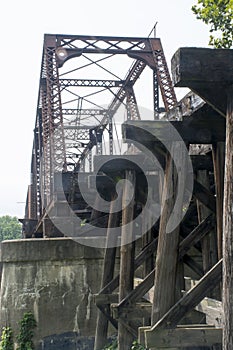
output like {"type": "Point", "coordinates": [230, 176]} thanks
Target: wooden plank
{"type": "Point", "coordinates": [228, 230]}
{"type": "Point", "coordinates": [193, 297]}
{"type": "Point", "coordinates": [144, 329]}
{"type": "Point", "coordinates": [183, 337]}
{"type": "Point", "coordinates": [136, 311]}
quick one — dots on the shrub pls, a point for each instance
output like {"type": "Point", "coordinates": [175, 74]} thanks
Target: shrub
{"type": "Point", "coordinates": [7, 339]}
{"type": "Point", "coordinates": [26, 333]}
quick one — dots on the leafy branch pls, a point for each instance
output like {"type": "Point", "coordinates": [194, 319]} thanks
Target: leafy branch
{"type": "Point", "coordinates": [219, 15]}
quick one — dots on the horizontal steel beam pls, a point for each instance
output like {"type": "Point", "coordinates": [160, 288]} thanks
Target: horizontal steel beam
{"type": "Point", "coordinates": [90, 37]}
{"type": "Point", "coordinates": [90, 83]}
{"type": "Point", "coordinates": [79, 127]}
{"type": "Point", "coordinates": [71, 111]}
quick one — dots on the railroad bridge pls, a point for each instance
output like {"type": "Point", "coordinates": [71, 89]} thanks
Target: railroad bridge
{"type": "Point", "coordinates": [146, 216]}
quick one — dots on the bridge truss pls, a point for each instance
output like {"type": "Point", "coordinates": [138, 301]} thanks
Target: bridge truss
{"type": "Point", "coordinates": [80, 92]}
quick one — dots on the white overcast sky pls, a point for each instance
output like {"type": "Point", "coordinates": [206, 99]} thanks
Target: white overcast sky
{"type": "Point", "coordinates": [23, 24]}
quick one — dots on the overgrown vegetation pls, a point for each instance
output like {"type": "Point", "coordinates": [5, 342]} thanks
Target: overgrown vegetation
{"type": "Point", "coordinates": [25, 337]}
{"type": "Point", "coordinates": [7, 339]}
{"type": "Point", "coordinates": [219, 15]}
{"type": "Point", "coordinates": [10, 228]}
{"type": "Point", "coordinates": [26, 333]}
{"type": "Point", "coordinates": [137, 346]}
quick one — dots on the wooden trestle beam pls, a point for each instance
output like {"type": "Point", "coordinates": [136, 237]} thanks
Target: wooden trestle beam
{"type": "Point", "coordinates": [204, 126]}
{"type": "Point", "coordinates": [207, 72]}
{"type": "Point", "coordinates": [194, 129]}
{"type": "Point", "coordinates": [104, 298]}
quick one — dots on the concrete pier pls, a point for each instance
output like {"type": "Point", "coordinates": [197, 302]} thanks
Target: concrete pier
{"type": "Point", "coordinates": [55, 279]}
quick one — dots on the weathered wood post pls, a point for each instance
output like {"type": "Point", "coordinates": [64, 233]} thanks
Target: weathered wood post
{"type": "Point", "coordinates": [218, 153]}
{"type": "Point", "coordinates": [125, 338]}
{"type": "Point", "coordinates": [148, 266]}
{"type": "Point", "coordinates": [209, 242]}
{"type": "Point", "coordinates": [101, 335]}
{"type": "Point", "coordinates": [146, 239]}
{"type": "Point", "coordinates": [167, 252]}
{"type": "Point", "coordinates": [228, 229]}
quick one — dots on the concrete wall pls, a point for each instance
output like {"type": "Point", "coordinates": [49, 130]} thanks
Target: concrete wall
{"type": "Point", "coordinates": [55, 279]}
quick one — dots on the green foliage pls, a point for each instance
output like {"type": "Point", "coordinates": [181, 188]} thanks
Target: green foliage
{"type": "Point", "coordinates": [112, 346]}
{"type": "Point", "coordinates": [219, 15]}
{"type": "Point", "coordinates": [10, 228]}
{"type": "Point", "coordinates": [137, 346]}
{"type": "Point", "coordinates": [27, 325]}
{"type": "Point", "coordinates": [7, 339]}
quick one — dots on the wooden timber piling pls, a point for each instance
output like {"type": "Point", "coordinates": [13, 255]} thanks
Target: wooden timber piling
{"type": "Point", "coordinates": [218, 152]}
{"type": "Point", "coordinates": [127, 249]}
{"type": "Point", "coordinates": [101, 336]}
{"type": "Point", "coordinates": [167, 254]}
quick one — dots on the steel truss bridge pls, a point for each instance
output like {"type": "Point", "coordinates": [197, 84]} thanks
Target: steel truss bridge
{"type": "Point", "coordinates": [81, 90]}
